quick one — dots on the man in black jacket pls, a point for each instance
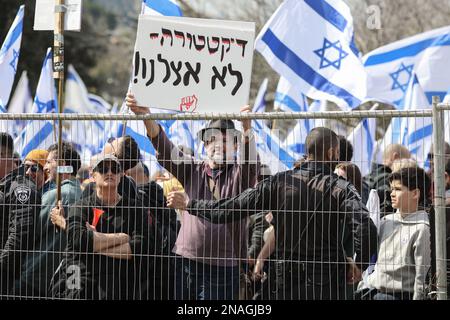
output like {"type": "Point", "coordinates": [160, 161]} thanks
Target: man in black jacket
{"type": "Point", "coordinates": [20, 193]}
{"type": "Point", "coordinates": [319, 222]}
{"type": "Point", "coordinates": [378, 178]}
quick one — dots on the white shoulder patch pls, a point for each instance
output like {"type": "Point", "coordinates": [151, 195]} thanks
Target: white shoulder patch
{"type": "Point", "coordinates": [22, 193]}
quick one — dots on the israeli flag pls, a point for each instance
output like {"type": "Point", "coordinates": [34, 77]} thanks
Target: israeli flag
{"type": "Point", "coordinates": [21, 102]}
{"type": "Point", "coordinates": [88, 136]}
{"type": "Point", "coordinates": [391, 67]}
{"type": "Point", "coordinates": [76, 95]}
{"type": "Point", "coordinates": [417, 132]}
{"type": "Point", "coordinates": [161, 8]}
{"type": "Point", "coordinates": [289, 98]}
{"type": "Point", "coordinates": [40, 134]}
{"type": "Point", "coordinates": [363, 140]}
{"type": "Point", "coordinates": [295, 141]}
{"type": "Point", "coordinates": [9, 56]}
{"type": "Point", "coordinates": [45, 99]}
{"type": "Point", "coordinates": [260, 100]}
{"type": "Point", "coordinates": [100, 104]}
{"type": "Point", "coordinates": [310, 43]}
{"type": "Point", "coordinates": [268, 146]}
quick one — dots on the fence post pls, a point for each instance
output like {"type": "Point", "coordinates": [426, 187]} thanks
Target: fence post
{"type": "Point", "coordinates": [439, 200]}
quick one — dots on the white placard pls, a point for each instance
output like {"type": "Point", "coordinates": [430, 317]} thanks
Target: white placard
{"type": "Point", "coordinates": [44, 15]}
{"type": "Point", "coordinates": [189, 64]}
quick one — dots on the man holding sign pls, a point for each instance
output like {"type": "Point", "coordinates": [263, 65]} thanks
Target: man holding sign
{"type": "Point", "coordinates": [210, 254]}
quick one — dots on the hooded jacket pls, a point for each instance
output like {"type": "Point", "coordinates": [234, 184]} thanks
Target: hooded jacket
{"type": "Point", "coordinates": [404, 255]}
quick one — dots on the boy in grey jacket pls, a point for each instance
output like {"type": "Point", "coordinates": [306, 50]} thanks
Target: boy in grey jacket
{"type": "Point", "coordinates": [404, 252]}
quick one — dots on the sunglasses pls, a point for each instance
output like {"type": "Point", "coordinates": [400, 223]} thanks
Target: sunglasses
{"type": "Point", "coordinates": [33, 167]}
{"type": "Point", "coordinates": [430, 156]}
{"type": "Point", "coordinates": [103, 168]}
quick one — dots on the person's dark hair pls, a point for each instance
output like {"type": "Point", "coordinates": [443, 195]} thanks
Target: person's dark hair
{"type": "Point", "coordinates": [70, 156]}
{"type": "Point", "coordinates": [447, 166]}
{"type": "Point", "coordinates": [319, 141]}
{"type": "Point", "coordinates": [6, 144]}
{"type": "Point", "coordinates": [345, 149]}
{"type": "Point", "coordinates": [414, 178]}
{"type": "Point", "coordinates": [128, 153]}
{"type": "Point", "coordinates": [17, 159]}
{"type": "Point", "coordinates": [83, 173]}
{"type": "Point", "coordinates": [146, 170]}
{"type": "Point", "coordinates": [353, 174]}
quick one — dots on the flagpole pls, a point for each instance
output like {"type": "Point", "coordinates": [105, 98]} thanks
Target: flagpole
{"type": "Point", "coordinates": [58, 73]}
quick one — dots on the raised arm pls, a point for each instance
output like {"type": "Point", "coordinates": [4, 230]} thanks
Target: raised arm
{"type": "Point", "coordinates": [168, 155]}
{"type": "Point", "coordinates": [261, 198]}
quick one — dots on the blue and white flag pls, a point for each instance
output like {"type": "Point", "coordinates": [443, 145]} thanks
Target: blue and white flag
{"type": "Point", "coordinates": [260, 100]}
{"type": "Point", "coordinates": [9, 56]}
{"type": "Point", "coordinates": [363, 140]}
{"type": "Point", "coordinates": [161, 8]}
{"type": "Point", "coordinates": [391, 67]}
{"type": "Point", "coordinates": [88, 136]}
{"type": "Point", "coordinates": [268, 146]}
{"type": "Point", "coordinates": [100, 104]}
{"type": "Point", "coordinates": [76, 95]}
{"type": "Point", "coordinates": [289, 98]}
{"type": "Point", "coordinates": [21, 102]}
{"type": "Point", "coordinates": [310, 43]}
{"type": "Point", "coordinates": [295, 141]}
{"type": "Point", "coordinates": [417, 132]}
{"type": "Point", "coordinates": [45, 99]}
{"type": "Point", "coordinates": [40, 134]}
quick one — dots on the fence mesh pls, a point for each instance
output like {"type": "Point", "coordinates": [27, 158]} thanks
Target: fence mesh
{"type": "Point", "coordinates": [201, 207]}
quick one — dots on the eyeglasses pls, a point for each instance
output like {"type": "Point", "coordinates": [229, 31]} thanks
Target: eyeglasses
{"type": "Point", "coordinates": [103, 168]}
{"type": "Point", "coordinates": [33, 167]}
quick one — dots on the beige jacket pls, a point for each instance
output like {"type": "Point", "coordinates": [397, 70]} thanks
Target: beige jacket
{"type": "Point", "coordinates": [404, 254]}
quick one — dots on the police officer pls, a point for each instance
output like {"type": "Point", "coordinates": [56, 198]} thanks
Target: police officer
{"type": "Point", "coordinates": [21, 202]}
{"type": "Point", "coordinates": [319, 220]}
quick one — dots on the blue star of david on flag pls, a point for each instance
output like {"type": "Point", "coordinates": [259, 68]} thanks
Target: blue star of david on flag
{"type": "Point", "coordinates": [13, 62]}
{"type": "Point", "coordinates": [401, 82]}
{"type": "Point", "coordinates": [326, 60]}
{"type": "Point", "coordinates": [44, 107]}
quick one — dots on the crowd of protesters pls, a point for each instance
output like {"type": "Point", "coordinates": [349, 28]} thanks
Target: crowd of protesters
{"type": "Point", "coordinates": [220, 228]}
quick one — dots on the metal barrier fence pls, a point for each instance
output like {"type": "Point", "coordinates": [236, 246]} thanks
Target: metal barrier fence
{"type": "Point", "coordinates": [141, 249]}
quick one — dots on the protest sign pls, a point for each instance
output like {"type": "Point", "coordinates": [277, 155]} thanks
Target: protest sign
{"type": "Point", "coordinates": [189, 64]}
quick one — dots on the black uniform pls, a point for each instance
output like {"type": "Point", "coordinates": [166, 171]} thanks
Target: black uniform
{"type": "Point", "coordinates": [20, 207]}
{"type": "Point", "coordinates": [151, 196]}
{"type": "Point", "coordinates": [319, 220]}
{"type": "Point", "coordinates": [102, 277]}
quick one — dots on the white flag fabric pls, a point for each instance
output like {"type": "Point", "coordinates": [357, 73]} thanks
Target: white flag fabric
{"type": "Point", "coordinates": [39, 134]}
{"type": "Point", "coordinates": [310, 43]}
{"type": "Point", "coordinates": [21, 102]}
{"type": "Point", "coordinates": [269, 148]}
{"type": "Point", "coordinates": [417, 133]}
{"type": "Point", "coordinates": [9, 57]}
{"type": "Point", "coordinates": [373, 205]}
{"type": "Point", "coordinates": [88, 136]}
{"type": "Point", "coordinates": [363, 140]}
{"type": "Point", "coordinates": [76, 95]}
{"type": "Point", "coordinates": [260, 100]}
{"type": "Point", "coordinates": [390, 68]}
